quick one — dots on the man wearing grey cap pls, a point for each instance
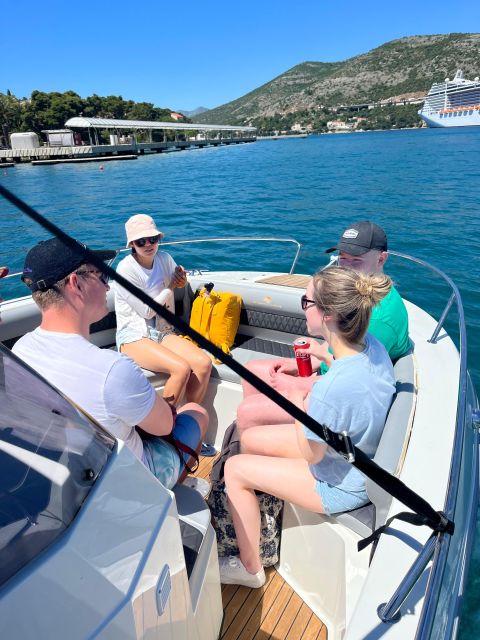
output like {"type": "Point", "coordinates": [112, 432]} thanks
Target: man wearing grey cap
{"type": "Point", "coordinates": [363, 247]}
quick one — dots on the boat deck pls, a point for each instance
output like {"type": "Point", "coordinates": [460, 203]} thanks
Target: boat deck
{"type": "Point", "coordinates": [274, 611]}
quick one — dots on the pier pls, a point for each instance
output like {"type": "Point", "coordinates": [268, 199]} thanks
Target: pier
{"type": "Point", "coordinates": [83, 139]}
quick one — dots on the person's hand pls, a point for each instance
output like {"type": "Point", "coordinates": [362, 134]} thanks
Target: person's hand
{"type": "Point", "coordinates": [3, 273]}
{"type": "Point", "coordinates": [318, 350]}
{"type": "Point", "coordinates": [179, 278]}
{"type": "Point", "coordinates": [281, 382]}
{"type": "Point", "coordinates": [286, 365]}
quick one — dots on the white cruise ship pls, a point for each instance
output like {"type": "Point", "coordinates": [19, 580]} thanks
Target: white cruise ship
{"type": "Point", "coordinates": [453, 103]}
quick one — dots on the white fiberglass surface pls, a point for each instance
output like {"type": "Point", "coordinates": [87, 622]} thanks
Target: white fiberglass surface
{"type": "Point", "coordinates": [426, 471]}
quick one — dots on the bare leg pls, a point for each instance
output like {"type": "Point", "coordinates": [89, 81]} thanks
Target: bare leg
{"type": "Point", "coordinates": [200, 363]}
{"type": "Point", "coordinates": [155, 357]}
{"type": "Point", "coordinates": [289, 479]}
{"type": "Point", "coordinates": [260, 368]}
{"type": "Point", "coordinates": [278, 440]}
{"type": "Point", "coordinates": [256, 410]}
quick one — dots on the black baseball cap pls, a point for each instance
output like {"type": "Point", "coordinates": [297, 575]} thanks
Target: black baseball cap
{"type": "Point", "coordinates": [361, 237]}
{"type": "Point", "coordinates": [51, 260]}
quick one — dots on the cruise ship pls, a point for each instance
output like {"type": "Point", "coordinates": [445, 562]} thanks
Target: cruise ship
{"type": "Point", "coordinates": [453, 103]}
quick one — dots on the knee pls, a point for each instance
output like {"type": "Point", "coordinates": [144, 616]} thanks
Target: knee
{"type": "Point", "coordinates": [257, 367]}
{"type": "Point", "coordinates": [231, 470]}
{"type": "Point", "coordinates": [200, 414]}
{"type": "Point", "coordinates": [181, 370]}
{"type": "Point", "coordinates": [245, 416]}
{"type": "Point", "coordinates": [247, 437]}
{"type": "Point", "coordinates": [203, 365]}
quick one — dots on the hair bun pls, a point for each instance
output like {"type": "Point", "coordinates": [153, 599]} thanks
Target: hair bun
{"type": "Point", "coordinates": [364, 287]}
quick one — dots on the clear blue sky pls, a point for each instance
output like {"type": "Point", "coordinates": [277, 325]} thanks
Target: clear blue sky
{"type": "Point", "coordinates": [187, 54]}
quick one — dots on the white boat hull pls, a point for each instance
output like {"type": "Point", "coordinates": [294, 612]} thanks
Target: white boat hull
{"type": "Point", "coordinates": [470, 118]}
{"type": "Point", "coordinates": [319, 556]}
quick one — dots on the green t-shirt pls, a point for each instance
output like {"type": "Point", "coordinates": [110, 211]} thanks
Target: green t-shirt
{"type": "Point", "coordinates": [389, 324]}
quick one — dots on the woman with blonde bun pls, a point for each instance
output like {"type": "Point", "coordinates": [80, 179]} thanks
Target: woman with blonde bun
{"type": "Point", "coordinates": [146, 337]}
{"type": "Point", "coordinates": [290, 461]}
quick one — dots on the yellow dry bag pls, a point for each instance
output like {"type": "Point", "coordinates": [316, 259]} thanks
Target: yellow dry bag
{"type": "Point", "coordinates": [216, 315]}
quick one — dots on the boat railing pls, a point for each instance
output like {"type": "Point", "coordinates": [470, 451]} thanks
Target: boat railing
{"type": "Point", "coordinates": [437, 547]}
{"type": "Point", "coordinates": [233, 239]}
{"type": "Point", "coordinates": [198, 270]}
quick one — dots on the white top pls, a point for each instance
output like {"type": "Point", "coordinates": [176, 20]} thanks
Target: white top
{"type": "Point", "coordinates": [106, 384]}
{"type": "Point", "coordinates": [132, 314]}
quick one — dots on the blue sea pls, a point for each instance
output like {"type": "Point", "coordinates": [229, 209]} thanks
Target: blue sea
{"type": "Point", "coordinates": [422, 186]}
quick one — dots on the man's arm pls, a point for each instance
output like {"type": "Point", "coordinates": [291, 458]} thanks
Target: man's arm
{"type": "Point", "coordinates": [159, 422]}
{"type": "Point", "coordinates": [130, 396]}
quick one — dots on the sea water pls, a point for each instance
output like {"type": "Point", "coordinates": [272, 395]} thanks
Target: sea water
{"type": "Point", "coordinates": [422, 186]}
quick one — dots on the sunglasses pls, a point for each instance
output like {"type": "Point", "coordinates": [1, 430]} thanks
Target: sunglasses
{"type": "Point", "coordinates": [101, 276]}
{"type": "Point", "coordinates": [141, 242]}
{"type": "Point", "coordinates": [306, 302]}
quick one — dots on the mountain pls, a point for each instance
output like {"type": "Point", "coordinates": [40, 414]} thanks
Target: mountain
{"type": "Point", "coordinates": [407, 65]}
{"type": "Point", "coordinates": [195, 112]}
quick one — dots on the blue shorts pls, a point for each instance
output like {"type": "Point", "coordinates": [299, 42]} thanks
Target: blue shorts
{"type": "Point", "coordinates": [162, 458]}
{"type": "Point", "coordinates": [335, 500]}
{"type": "Point", "coordinates": [128, 335]}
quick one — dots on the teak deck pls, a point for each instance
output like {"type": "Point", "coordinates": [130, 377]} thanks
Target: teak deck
{"type": "Point", "coordinates": [287, 280]}
{"type": "Point", "coordinates": [274, 611]}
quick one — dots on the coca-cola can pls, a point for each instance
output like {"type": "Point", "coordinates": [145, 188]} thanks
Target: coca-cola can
{"type": "Point", "coordinates": [304, 362]}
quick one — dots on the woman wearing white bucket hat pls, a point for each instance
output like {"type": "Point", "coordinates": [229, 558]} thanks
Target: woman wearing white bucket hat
{"type": "Point", "coordinates": [143, 335]}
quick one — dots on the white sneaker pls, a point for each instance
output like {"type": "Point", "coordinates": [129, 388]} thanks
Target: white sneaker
{"type": "Point", "coordinates": [199, 484]}
{"type": "Point", "coordinates": [232, 571]}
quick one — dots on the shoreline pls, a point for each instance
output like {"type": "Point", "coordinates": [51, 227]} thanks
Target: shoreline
{"type": "Point", "coordinates": [330, 133]}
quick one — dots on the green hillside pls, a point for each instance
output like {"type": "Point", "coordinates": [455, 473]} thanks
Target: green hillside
{"type": "Point", "coordinates": [310, 91]}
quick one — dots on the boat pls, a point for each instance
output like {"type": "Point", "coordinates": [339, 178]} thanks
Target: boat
{"type": "Point", "coordinates": [453, 103]}
{"type": "Point", "coordinates": [110, 553]}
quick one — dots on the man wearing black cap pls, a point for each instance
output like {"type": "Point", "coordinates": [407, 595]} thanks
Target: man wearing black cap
{"type": "Point", "coordinates": [362, 247]}
{"type": "Point", "coordinates": [71, 294]}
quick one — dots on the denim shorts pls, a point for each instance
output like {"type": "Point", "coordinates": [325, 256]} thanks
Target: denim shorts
{"type": "Point", "coordinates": [162, 458]}
{"type": "Point", "coordinates": [127, 335]}
{"type": "Point", "coordinates": [335, 500]}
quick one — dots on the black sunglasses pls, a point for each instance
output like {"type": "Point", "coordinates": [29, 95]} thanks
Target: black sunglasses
{"type": "Point", "coordinates": [141, 242]}
{"type": "Point", "coordinates": [101, 276]}
{"type": "Point", "coordinates": [306, 302]}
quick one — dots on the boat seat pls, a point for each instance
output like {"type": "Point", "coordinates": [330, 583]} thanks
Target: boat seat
{"type": "Point", "coordinates": [261, 335]}
{"type": "Point", "coordinates": [390, 452]}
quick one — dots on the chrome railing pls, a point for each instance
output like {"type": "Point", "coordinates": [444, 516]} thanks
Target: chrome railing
{"type": "Point", "coordinates": [234, 239]}
{"type": "Point", "coordinates": [202, 240]}
{"type": "Point", "coordinates": [439, 551]}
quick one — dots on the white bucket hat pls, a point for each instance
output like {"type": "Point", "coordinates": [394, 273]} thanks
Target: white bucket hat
{"type": "Point", "coordinates": [141, 226]}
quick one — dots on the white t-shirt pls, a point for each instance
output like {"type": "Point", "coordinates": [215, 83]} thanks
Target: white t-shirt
{"type": "Point", "coordinates": [106, 384]}
{"type": "Point", "coordinates": [133, 316]}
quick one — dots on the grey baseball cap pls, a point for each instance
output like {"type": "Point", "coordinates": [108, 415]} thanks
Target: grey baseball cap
{"type": "Point", "coordinates": [361, 237]}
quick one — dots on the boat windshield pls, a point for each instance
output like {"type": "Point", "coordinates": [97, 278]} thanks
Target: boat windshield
{"type": "Point", "coordinates": [50, 458]}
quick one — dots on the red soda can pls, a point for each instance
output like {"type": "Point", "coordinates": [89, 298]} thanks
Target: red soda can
{"type": "Point", "coordinates": [304, 362]}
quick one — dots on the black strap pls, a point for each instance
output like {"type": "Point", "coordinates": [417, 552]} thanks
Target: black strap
{"type": "Point", "coordinates": [445, 526]}
{"type": "Point", "coordinates": [340, 442]}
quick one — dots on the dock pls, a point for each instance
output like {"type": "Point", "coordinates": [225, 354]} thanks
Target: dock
{"type": "Point", "coordinates": [83, 140]}
{"type": "Point", "coordinates": [89, 159]}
